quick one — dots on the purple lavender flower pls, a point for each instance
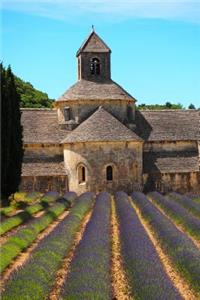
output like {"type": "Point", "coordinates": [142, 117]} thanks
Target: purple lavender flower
{"type": "Point", "coordinates": [180, 248]}
{"type": "Point", "coordinates": [89, 276]}
{"type": "Point", "coordinates": [144, 269]}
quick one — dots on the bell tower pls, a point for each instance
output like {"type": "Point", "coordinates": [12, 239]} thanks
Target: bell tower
{"type": "Point", "coordinates": [94, 59]}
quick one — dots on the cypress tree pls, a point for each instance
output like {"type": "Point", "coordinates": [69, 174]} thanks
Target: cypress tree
{"type": "Point", "coordinates": [11, 135]}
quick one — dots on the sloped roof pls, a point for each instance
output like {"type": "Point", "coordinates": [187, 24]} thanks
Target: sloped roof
{"type": "Point", "coordinates": [93, 44]}
{"type": "Point", "coordinates": [170, 162]}
{"type": "Point", "coordinates": [90, 90]}
{"type": "Point", "coordinates": [41, 126]}
{"type": "Point", "coordinates": [101, 126]}
{"type": "Point", "coordinates": [169, 125]}
{"type": "Point", "coordinates": [43, 169]}
{"type": "Point", "coordinates": [35, 164]}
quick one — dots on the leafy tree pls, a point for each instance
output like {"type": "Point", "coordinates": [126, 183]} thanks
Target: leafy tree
{"type": "Point", "coordinates": [191, 106]}
{"type": "Point", "coordinates": [31, 97]}
{"type": "Point", "coordinates": [168, 105]}
{"type": "Point", "coordinates": [11, 135]}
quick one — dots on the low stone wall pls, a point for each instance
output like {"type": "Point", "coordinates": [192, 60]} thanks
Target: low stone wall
{"type": "Point", "coordinates": [44, 183]}
{"type": "Point", "coordinates": [177, 182]}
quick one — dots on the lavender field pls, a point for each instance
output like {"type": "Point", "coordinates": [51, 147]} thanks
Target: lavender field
{"type": "Point", "coordinates": [63, 247]}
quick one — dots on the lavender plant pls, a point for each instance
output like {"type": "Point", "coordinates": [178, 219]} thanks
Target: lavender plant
{"type": "Point", "coordinates": [35, 279]}
{"type": "Point", "coordinates": [50, 196]}
{"type": "Point", "coordinates": [145, 272]}
{"type": "Point", "coordinates": [70, 196]}
{"type": "Point", "coordinates": [89, 276]}
{"type": "Point", "coordinates": [20, 218]}
{"type": "Point", "coordinates": [178, 214]}
{"type": "Point", "coordinates": [24, 237]}
{"type": "Point", "coordinates": [181, 250]}
{"type": "Point", "coordinates": [186, 202]}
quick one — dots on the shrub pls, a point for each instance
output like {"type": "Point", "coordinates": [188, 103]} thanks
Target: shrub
{"type": "Point", "coordinates": [35, 279]}
{"type": "Point", "coordinates": [178, 214]}
{"type": "Point", "coordinates": [145, 272]}
{"type": "Point", "coordinates": [181, 250]}
{"type": "Point", "coordinates": [89, 276]}
{"type": "Point", "coordinates": [24, 237]}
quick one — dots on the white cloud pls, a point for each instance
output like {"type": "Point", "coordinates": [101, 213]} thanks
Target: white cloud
{"type": "Point", "coordinates": [187, 10]}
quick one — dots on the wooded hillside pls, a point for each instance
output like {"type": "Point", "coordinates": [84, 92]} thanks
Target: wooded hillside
{"type": "Point", "coordinates": [31, 97]}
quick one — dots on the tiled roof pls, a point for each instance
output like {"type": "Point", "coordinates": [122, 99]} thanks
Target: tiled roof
{"type": "Point", "coordinates": [101, 126]}
{"type": "Point", "coordinates": [170, 162]}
{"type": "Point", "coordinates": [169, 125]}
{"type": "Point", "coordinates": [93, 44]}
{"type": "Point", "coordinates": [41, 126]}
{"type": "Point", "coordinates": [40, 165]}
{"type": "Point", "coordinates": [90, 90]}
{"type": "Point", "coordinates": [43, 169]}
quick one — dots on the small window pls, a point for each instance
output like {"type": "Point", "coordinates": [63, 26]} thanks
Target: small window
{"type": "Point", "coordinates": [109, 173]}
{"type": "Point", "coordinates": [95, 66]}
{"type": "Point", "coordinates": [67, 113]}
{"type": "Point", "coordinates": [81, 174]}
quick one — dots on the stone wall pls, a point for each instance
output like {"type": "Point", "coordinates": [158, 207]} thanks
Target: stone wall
{"type": "Point", "coordinates": [158, 146]}
{"type": "Point", "coordinates": [124, 157]}
{"type": "Point", "coordinates": [44, 183]}
{"type": "Point", "coordinates": [123, 110]}
{"type": "Point", "coordinates": [177, 182]}
{"type": "Point", "coordinates": [84, 66]}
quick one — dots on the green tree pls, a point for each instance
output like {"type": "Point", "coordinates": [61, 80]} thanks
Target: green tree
{"type": "Point", "coordinates": [11, 135]}
{"type": "Point", "coordinates": [168, 105]}
{"type": "Point", "coordinates": [31, 97]}
{"type": "Point", "coordinates": [191, 106]}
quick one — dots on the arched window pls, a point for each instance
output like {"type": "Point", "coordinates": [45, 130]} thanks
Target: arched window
{"type": "Point", "coordinates": [81, 174]}
{"type": "Point", "coordinates": [109, 173]}
{"type": "Point", "coordinates": [95, 66]}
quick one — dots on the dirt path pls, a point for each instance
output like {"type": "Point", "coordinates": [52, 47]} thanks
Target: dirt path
{"type": "Point", "coordinates": [176, 279]}
{"type": "Point", "coordinates": [121, 289]}
{"type": "Point", "coordinates": [24, 256]}
{"type": "Point", "coordinates": [64, 270]}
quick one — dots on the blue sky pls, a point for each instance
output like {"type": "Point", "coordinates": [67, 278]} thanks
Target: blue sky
{"type": "Point", "coordinates": [155, 45]}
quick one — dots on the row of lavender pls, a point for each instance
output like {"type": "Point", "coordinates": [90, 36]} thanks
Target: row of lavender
{"type": "Point", "coordinates": [36, 278]}
{"type": "Point", "coordinates": [192, 206]}
{"type": "Point", "coordinates": [184, 254]}
{"type": "Point", "coordinates": [25, 236]}
{"type": "Point", "coordinates": [145, 273]}
{"type": "Point", "coordinates": [89, 276]}
{"type": "Point", "coordinates": [29, 211]}
{"type": "Point", "coordinates": [179, 214]}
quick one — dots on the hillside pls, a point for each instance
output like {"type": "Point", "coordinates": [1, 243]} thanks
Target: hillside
{"type": "Point", "coordinates": [31, 97]}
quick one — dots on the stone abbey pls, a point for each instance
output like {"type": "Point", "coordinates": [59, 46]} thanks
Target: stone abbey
{"type": "Point", "coordinates": [95, 139]}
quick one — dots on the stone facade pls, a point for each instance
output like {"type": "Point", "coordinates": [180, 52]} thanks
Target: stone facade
{"type": "Point", "coordinates": [124, 157]}
{"type": "Point", "coordinates": [94, 139]}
